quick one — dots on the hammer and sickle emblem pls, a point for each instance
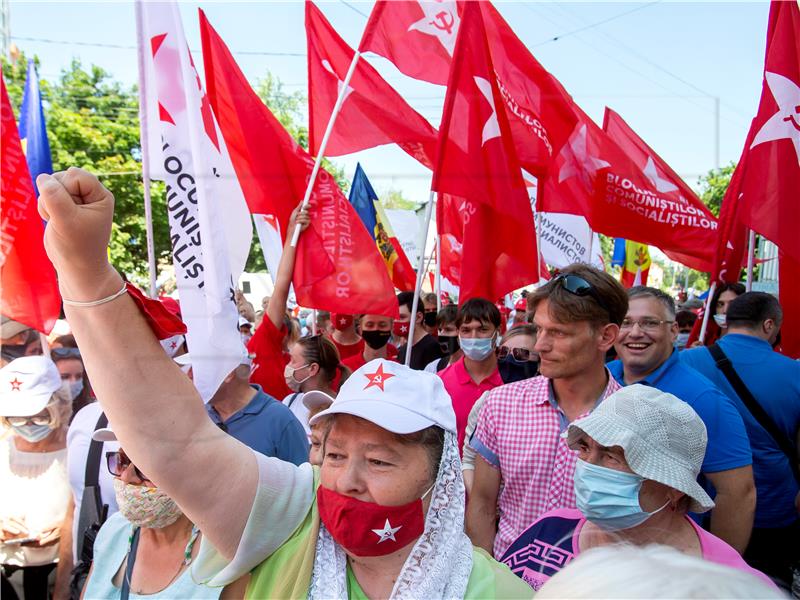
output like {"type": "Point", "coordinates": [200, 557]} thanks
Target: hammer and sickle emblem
{"type": "Point", "coordinates": [444, 21]}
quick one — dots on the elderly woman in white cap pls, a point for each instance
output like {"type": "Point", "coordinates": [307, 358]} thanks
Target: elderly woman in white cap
{"type": "Point", "coordinates": [383, 517]}
{"type": "Point", "coordinates": [640, 453]}
{"type": "Point", "coordinates": [34, 412]}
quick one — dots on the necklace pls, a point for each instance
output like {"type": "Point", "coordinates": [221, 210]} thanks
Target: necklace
{"type": "Point", "coordinates": [185, 561]}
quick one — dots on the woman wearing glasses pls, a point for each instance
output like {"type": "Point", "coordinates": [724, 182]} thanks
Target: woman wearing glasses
{"type": "Point", "coordinates": [145, 548]}
{"type": "Point", "coordinates": [34, 411]}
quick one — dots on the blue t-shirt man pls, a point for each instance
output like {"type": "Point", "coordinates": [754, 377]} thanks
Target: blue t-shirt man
{"type": "Point", "coordinates": [267, 426]}
{"type": "Point", "coordinates": [774, 381]}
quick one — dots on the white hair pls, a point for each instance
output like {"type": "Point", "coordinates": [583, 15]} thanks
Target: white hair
{"type": "Point", "coordinates": [627, 571]}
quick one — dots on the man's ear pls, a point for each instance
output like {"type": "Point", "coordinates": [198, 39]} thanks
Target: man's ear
{"type": "Point", "coordinates": [607, 336]}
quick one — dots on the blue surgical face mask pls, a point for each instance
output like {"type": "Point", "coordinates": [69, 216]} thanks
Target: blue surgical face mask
{"type": "Point", "coordinates": [32, 433]}
{"type": "Point", "coordinates": [720, 320]}
{"type": "Point", "coordinates": [75, 388]}
{"type": "Point", "coordinates": [610, 498]}
{"type": "Point", "coordinates": [680, 341]}
{"type": "Point", "coordinates": [476, 348]}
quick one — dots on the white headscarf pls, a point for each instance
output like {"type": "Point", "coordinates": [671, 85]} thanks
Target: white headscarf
{"type": "Point", "coordinates": [440, 563]}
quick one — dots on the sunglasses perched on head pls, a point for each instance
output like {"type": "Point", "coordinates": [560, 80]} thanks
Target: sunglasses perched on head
{"type": "Point", "coordinates": [65, 353]}
{"type": "Point", "coordinates": [519, 354]}
{"type": "Point", "coordinates": [118, 462]}
{"type": "Point", "coordinates": [578, 286]}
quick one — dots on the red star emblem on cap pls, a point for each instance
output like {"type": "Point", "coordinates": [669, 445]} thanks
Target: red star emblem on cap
{"type": "Point", "coordinates": [378, 378]}
{"type": "Point", "coordinates": [15, 383]}
{"type": "Point", "coordinates": [173, 344]}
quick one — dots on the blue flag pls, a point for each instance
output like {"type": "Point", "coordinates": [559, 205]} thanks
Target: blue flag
{"type": "Point", "coordinates": [618, 258]}
{"type": "Point", "coordinates": [363, 199]}
{"type": "Point", "coordinates": [32, 131]}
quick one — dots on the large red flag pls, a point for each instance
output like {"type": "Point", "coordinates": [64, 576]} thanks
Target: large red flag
{"type": "Point", "coordinates": [338, 267]}
{"type": "Point", "coordinates": [372, 113]}
{"type": "Point", "coordinates": [669, 184]}
{"type": "Point", "coordinates": [28, 287]}
{"type": "Point", "coordinates": [477, 162]}
{"type": "Point", "coordinates": [731, 245]}
{"type": "Point", "coordinates": [417, 36]}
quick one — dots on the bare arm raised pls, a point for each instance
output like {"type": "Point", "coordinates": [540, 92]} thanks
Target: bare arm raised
{"type": "Point", "coordinates": [155, 410]}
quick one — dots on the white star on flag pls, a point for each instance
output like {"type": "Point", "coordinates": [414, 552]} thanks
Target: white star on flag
{"type": "Point", "coordinates": [577, 159]}
{"type": "Point", "coordinates": [387, 533]}
{"type": "Point", "coordinates": [441, 21]}
{"type": "Point", "coordinates": [491, 129]}
{"type": "Point", "coordinates": [784, 124]}
{"type": "Point", "coordinates": [662, 185]}
{"type": "Point", "coordinates": [339, 83]}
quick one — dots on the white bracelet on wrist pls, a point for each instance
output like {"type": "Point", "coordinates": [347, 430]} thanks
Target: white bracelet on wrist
{"type": "Point", "coordinates": [113, 296]}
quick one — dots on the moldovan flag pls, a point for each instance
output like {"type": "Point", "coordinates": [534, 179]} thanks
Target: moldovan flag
{"type": "Point", "coordinates": [365, 201]}
{"type": "Point", "coordinates": [32, 128]}
{"type": "Point", "coordinates": [210, 227]}
{"type": "Point", "coordinates": [477, 163]}
{"type": "Point", "coordinates": [338, 267]}
{"type": "Point", "coordinates": [635, 265]}
{"type": "Point", "coordinates": [28, 286]}
{"type": "Point", "coordinates": [372, 113]}
{"type": "Point", "coordinates": [418, 36]}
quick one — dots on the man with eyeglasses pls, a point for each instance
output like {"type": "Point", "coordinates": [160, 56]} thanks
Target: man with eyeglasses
{"type": "Point", "coordinates": [524, 468]}
{"type": "Point", "coordinates": [646, 347]}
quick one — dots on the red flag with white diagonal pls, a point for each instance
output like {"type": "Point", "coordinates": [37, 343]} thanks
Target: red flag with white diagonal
{"type": "Point", "coordinates": [372, 114]}
{"type": "Point", "coordinates": [28, 287]}
{"type": "Point", "coordinates": [477, 162]}
{"type": "Point", "coordinates": [417, 36]}
{"type": "Point", "coordinates": [338, 267]}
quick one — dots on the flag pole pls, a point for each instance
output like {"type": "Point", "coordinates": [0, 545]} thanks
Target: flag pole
{"type": "Point", "coordinates": [438, 273]}
{"type": "Point", "coordinates": [143, 134]}
{"type": "Point", "coordinates": [537, 225]}
{"type": "Point", "coordinates": [321, 154]}
{"type": "Point", "coordinates": [707, 313]}
{"type": "Point", "coordinates": [751, 254]}
{"type": "Point", "coordinates": [418, 286]}
{"type": "Point", "coordinates": [591, 246]}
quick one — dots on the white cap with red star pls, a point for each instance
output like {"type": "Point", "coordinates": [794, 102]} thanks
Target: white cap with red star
{"type": "Point", "coordinates": [26, 386]}
{"type": "Point", "coordinates": [392, 396]}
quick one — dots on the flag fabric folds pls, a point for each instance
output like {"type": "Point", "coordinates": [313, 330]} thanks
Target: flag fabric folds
{"type": "Point", "coordinates": [210, 229]}
{"type": "Point", "coordinates": [372, 113]}
{"type": "Point", "coordinates": [32, 129]}
{"type": "Point", "coordinates": [338, 267]}
{"type": "Point", "coordinates": [636, 264]}
{"type": "Point", "coordinates": [365, 201]}
{"type": "Point", "coordinates": [477, 164]}
{"type": "Point", "coordinates": [28, 287]}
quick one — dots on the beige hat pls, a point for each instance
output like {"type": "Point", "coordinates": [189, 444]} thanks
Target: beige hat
{"type": "Point", "coordinates": [10, 328]}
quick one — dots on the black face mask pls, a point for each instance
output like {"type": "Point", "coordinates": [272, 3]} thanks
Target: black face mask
{"type": "Point", "coordinates": [449, 344]}
{"type": "Point", "coordinates": [376, 339]}
{"type": "Point", "coordinates": [12, 352]}
{"type": "Point", "coordinates": [429, 318]}
{"type": "Point", "coordinates": [512, 370]}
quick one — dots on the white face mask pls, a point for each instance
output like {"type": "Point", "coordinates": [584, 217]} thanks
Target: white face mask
{"type": "Point", "coordinates": [292, 383]}
{"type": "Point", "coordinates": [720, 320]}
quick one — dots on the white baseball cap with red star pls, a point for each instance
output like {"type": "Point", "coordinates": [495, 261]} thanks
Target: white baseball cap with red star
{"type": "Point", "coordinates": [26, 386]}
{"type": "Point", "coordinates": [392, 396]}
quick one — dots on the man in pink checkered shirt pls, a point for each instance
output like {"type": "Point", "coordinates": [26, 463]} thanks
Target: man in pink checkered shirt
{"type": "Point", "coordinates": [524, 467]}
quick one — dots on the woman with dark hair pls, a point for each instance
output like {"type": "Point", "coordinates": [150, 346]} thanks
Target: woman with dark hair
{"type": "Point", "coordinates": [73, 375]}
{"type": "Point", "coordinates": [715, 329]}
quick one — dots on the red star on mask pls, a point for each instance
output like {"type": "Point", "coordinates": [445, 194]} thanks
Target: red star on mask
{"type": "Point", "coordinates": [15, 383]}
{"type": "Point", "coordinates": [378, 378]}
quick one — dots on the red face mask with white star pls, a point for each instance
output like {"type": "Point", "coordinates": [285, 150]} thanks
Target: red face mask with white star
{"type": "Point", "coordinates": [369, 529]}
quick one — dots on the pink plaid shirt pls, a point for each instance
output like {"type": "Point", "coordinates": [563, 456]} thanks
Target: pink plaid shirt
{"type": "Point", "coordinates": [519, 432]}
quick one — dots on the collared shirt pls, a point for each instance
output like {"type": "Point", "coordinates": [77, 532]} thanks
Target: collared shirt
{"type": "Point", "coordinates": [267, 426]}
{"type": "Point", "coordinates": [728, 446]}
{"type": "Point", "coordinates": [519, 433]}
{"type": "Point", "coordinates": [464, 392]}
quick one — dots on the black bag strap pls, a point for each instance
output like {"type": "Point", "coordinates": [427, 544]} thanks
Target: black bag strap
{"type": "Point", "coordinates": [125, 590]}
{"type": "Point", "coordinates": [94, 456]}
{"type": "Point", "coordinates": [759, 414]}
{"type": "Point", "coordinates": [292, 399]}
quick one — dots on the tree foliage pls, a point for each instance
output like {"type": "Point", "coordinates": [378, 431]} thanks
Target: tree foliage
{"type": "Point", "coordinates": [713, 186]}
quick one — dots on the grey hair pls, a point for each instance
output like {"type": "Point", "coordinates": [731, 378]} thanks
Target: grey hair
{"type": "Point", "coordinates": [642, 291]}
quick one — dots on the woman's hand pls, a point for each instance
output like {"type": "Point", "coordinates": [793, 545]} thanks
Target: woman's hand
{"type": "Point", "coordinates": [12, 528]}
{"type": "Point", "coordinates": [300, 217]}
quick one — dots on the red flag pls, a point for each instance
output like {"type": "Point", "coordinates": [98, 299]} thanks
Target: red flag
{"type": "Point", "coordinates": [477, 162]}
{"type": "Point", "coordinates": [731, 246]}
{"type": "Point", "coordinates": [372, 114]}
{"type": "Point", "coordinates": [669, 184]}
{"type": "Point", "coordinates": [28, 287]}
{"type": "Point", "coordinates": [417, 36]}
{"type": "Point", "coordinates": [338, 267]}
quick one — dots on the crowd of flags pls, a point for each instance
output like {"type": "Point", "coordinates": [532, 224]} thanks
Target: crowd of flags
{"type": "Point", "coordinates": [512, 149]}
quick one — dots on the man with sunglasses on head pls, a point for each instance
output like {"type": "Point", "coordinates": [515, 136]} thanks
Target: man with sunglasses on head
{"type": "Point", "coordinates": [524, 468]}
{"type": "Point", "coordinates": [647, 355]}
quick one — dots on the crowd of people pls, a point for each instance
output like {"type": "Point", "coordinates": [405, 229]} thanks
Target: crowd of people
{"type": "Point", "coordinates": [586, 444]}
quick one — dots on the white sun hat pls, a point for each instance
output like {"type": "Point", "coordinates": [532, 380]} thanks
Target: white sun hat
{"type": "Point", "coordinates": [392, 396]}
{"type": "Point", "coordinates": [662, 437]}
{"type": "Point", "coordinates": [26, 385]}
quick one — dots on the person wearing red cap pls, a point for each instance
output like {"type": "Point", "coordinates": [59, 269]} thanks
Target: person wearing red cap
{"type": "Point", "coordinates": [344, 335]}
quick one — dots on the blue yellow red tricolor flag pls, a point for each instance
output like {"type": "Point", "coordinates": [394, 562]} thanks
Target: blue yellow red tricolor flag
{"type": "Point", "coordinates": [365, 201]}
{"type": "Point", "coordinates": [634, 258]}
{"type": "Point", "coordinates": [32, 130]}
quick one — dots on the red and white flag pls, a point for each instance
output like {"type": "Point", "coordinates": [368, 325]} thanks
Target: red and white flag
{"type": "Point", "coordinates": [418, 36]}
{"type": "Point", "coordinates": [28, 287]}
{"type": "Point", "coordinates": [372, 114]}
{"type": "Point", "coordinates": [477, 163]}
{"type": "Point", "coordinates": [210, 229]}
{"type": "Point", "coordinates": [338, 267]}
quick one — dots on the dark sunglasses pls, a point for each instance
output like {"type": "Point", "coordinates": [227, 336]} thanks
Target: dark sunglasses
{"type": "Point", "coordinates": [519, 354]}
{"type": "Point", "coordinates": [581, 288]}
{"type": "Point", "coordinates": [117, 463]}
{"type": "Point", "coordinates": [65, 353]}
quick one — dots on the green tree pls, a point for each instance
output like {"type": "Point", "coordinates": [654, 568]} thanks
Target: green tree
{"type": "Point", "coordinates": [713, 186]}
{"type": "Point", "coordinates": [394, 199]}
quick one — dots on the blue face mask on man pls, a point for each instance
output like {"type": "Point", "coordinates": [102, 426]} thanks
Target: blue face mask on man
{"type": "Point", "coordinates": [477, 348]}
{"type": "Point", "coordinates": [610, 498]}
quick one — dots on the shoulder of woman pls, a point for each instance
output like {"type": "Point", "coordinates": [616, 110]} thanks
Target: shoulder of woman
{"type": "Point", "coordinates": [114, 531]}
{"type": "Point", "coordinates": [491, 579]}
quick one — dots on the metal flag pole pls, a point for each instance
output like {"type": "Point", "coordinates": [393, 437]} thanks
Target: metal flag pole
{"type": "Point", "coordinates": [418, 286]}
{"type": "Point", "coordinates": [707, 312]}
{"type": "Point", "coordinates": [331, 122]}
{"type": "Point", "coordinates": [438, 273]}
{"type": "Point", "coordinates": [751, 255]}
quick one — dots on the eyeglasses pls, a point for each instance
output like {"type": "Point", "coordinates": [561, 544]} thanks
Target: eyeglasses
{"type": "Point", "coordinates": [520, 354]}
{"type": "Point", "coordinates": [41, 419]}
{"type": "Point", "coordinates": [65, 353]}
{"type": "Point", "coordinates": [648, 325]}
{"type": "Point", "coordinates": [578, 286]}
{"type": "Point", "coordinates": [117, 463]}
